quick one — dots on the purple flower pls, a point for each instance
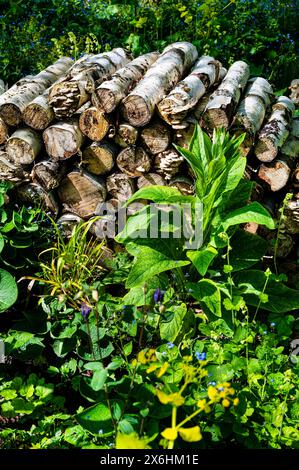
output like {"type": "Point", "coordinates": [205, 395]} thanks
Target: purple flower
{"type": "Point", "coordinates": [201, 356]}
{"type": "Point", "coordinates": [85, 311]}
{"type": "Point", "coordinates": [170, 345]}
{"type": "Point", "coordinates": [158, 295]}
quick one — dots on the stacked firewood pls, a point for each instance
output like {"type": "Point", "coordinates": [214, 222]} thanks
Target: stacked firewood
{"type": "Point", "coordinates": [81, 133]}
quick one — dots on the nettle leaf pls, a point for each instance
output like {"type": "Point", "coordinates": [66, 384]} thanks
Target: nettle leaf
{"type": "Point", "coordinates": [207, 292]}
{"type": "Point", "coordinates": [149, 262]}
{"type": "Point", "coordinates": [202, 258]}
{"type": "Point", "coordinates": [247, 250]}
{"type": "Point", "coordinates": [8, 290]}
{"type": "Point", "coordinates": [281, 298]}
{"type": "Point", "coordinates": [172, 322]}
{"type": "Point", "coordinates": [253, 212]}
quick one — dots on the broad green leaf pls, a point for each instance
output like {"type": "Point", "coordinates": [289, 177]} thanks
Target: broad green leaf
{"type": "Point", "coordinates": [171, 326]}
{"type": "Point", "coordinates": [148, 263]}
{"type": "Point", "coordinates": [160, 194]}
{"type": "Point", "coordinates": [98, 379]}
{"type": "Point", "coordinates": [281, 298]}
{"type": "Point", "coordinates": [8, 290]}
{"type": "Point", "coordinates": [208, 292]}
{"type": "Point", "coordinates": [96, 419]}
{"type": "Point", "coordinates": [253, 212]}
{"type": "Point", "coordinates": [247, 249]}
{"type": "Point", "coordinates": [202, 258]}
{"type": "Point", "coordinates": [1, 242]}
{"type": "Point", "coordinates": [136, 296]}
{"type": "Point", "coordinates": [238, 197]}
{"type": "Point", "coordinates": [221, 373]}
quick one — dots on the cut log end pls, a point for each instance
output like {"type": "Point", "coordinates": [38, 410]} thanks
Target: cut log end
{"type": "Point", "coordinates": [120, 186]}
{"type": "Point", "coordinates": [265, 150]}
{"type": "Point", "coordinates": [275, 175]}
{"type": "Point", "coordinates": [37, 117]}
{"type": "Point", "coordinates": [135, 110]}
{"type": "Point", "coordinates": [155, 137]}
{"type": "Point", "coordinates": [99, 158]}
{"type": "Point", "coordinates": [11, 114]}
{"type": "Point", "coordinates": [94, 124]}
{"type": "Point", "coordinates": [3, 132]}
{"type": "Point", "coordinates": [133, 161]}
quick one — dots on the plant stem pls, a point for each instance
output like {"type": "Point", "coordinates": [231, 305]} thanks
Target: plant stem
{"type": "Point", "coordinates": [173, 425]}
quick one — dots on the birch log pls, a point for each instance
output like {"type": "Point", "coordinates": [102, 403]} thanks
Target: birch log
{"type": "Point", "coordinates": [150, 179]}
{"type": "Point", "coordinates": [70, 94]}
{"type": "Point", "coordinates": [81, 193]}
{"type": "Point", "coordinates": [155, 137]}
{"type": "Point", "coordinates": [2, 86]}
{"type": "Point", "coordinates": [120, 186]}
{"type": "Point", "coordinates": [23, 146]}
{"type": "Point", "coordinates": [99, 157]}
{"type": "Point", "coordinates": [275, 174]}
{"type": "Point", "coordinates": [9, 171]}
{"type": "Point", "coordinates": [126, 135]}
{"type": "Point", "coordinates": [110, 93]}
{"type": "Point", "coordinates": [63, 139]}
{"type": "Point", "coordinates": [291, 146]}
{"type": "Point", "coordinates": [223, 101]}
{"type": "Point", "coordinates": [14, 100]}
{"type": "Point", "coordinates": [3, 131]}
{"type": "Point", "coordinates": [206, 71]}
{"type": "Point", "coordinates": [48, 174]}
{"type": "Point", "coordinates": [38, 114]}
{"type": "Point", "coordinates": [183, 183]}
{"type": "Point", "coordinates": [168, 163]}
{"type": "Point", "coordinates": [294, 88]}
{"type": "Point", "coordinates": [133, 161]}
{"type": "Point", "coordinates": [252, 110]}
{"type": "Point", "coordinates": [176, 59]}
{"type": "Point", "coordinates": [95, 124]}
{"type": "Point", "coordinates": [276, 131]}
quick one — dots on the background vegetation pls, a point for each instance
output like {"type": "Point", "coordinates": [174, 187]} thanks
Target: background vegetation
{"type": "Point", "coordinates": [264, 33]}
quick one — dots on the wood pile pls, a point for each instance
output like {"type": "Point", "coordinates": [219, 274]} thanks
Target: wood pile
{"type": "Point", "coordinates": [81, 133]}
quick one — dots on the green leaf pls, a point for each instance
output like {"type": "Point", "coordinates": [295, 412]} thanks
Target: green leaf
{"type": "Point", "coordinates": [172, 323]}
{"type": "Point", "coordinates": [97, 419]}
{"type": "Point", "coordinates": [98, 379]}
{"type": "Point", "coordinates": [160, 194]}
{"type": "Point", "coordinates": [280, 297]}
{"type": "Point", "coordinates": [247, 249]}
{"type": "Point", "coordinates": [8, 290]}
{"type": "Point", "coordinates": [202, 258]}
{"type": "Point", "coordinates": [149, 263]}
{"type": "Point", "coordinates": [208, 292]}
{"type": "Point", "coordinates": [222, 373]}
{"type": "Point", "coordinates": [253, 212]}
{"type": "Point", "coordinates": [1, 242]}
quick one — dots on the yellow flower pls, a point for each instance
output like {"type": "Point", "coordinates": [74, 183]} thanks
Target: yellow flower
{"type": "Point", "coordinates": [170, 434]}
{"type": "Point", "coordinates": [162, 370]}
{"type": "Point", "coordinates": [207, 409]}
{"type": "Point", "coordinates": [131, 441]}
{"type": "Point", "coordinates": [225, 402]}
{"type": "Point", "coordinates": [152, 368]}
{"type": "Point", "coordinates": [231, 391]}
{"type": "Point", "coordinates": [225, 384]}
{"type": "Point", "coordinates": [141, 357]}
{"type": "Point", "coordinates": [201, 404]}
{"type": "Point", "coordinates": [236, 401]}
{"type": "Point", "coordinates": [212, 393]}
{"type": "Point", "coordinates": [223, 394]}
{"type": "Point", "coordinates": [190, 434]}
{"type": "Point", "coordinates": [174, 398]}
{"type": "Point", "coordinates": [146, 356]}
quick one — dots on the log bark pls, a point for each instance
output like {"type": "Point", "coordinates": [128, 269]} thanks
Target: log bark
{"type": "Point", "coordinates": [205, 73]}
{"type": "Point", "coordinates": [126, 135]}
{"type": "Point", "coordinates": [184, 184]}
{"type": "Point", "coordinates": [252, 110]}
{"type": "Point", "coordinates": [81, 193]}
{"type": "Point", "coordinates": [168, 163]}
{"type": "Point", "coordinates": [14, 100]}
{"type": "Point", "coordinates": [275, 175]}
{"type": "Point", "coordinates": [276, 131]}
{"type": "Point", "coordinates": [223, 101]}
{"type": "Point", "coordinates": [2, 86]}
{"type": "Point", "coordinates": [3, 132]}
{"type": "Point", "coordinates": [99, 157]}
{"type": "Point", "coordinates": [71, 93]}
{"type": "Point", "coordinates": [48, 174]}
{"type": "Point", "coordinates": [138, 107]}
{"type": "Point", "coordinates": [120, 186]}
{"type": "Point", "coordinates": [183, 136]}
{"type": "Point", "coordinates": [291, 146]}
{"type": "Point", "coordinates": [11, 172]}
{"type": "Point", "coordinates": [155, 137]}
{"type": "Point", "coordinates": [133, 161]}
{"type": "Point", "coordinates": [110, 93]}
{"type": "Point", "coordinates": [34, 194]}
{"type": "Point", "coordinates": [66, 224]}
{"type": "Point", "coordinates": [291, 216]}
{"type": "Point", "coordinates": [96, 125]}
{"type": "Point", "coordinates": [23, 146]}
{"type": "Point", "coordinates": [150, 179]}
{"type": "Point", "coordinates": [294, 88]}
{"type": "Point", "coordinates": [63, 139]}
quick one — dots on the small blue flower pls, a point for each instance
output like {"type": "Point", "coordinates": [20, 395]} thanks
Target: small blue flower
{"type": "Point", "coordinates": [190, 290]}
{"type": "Point", "coordinates": [273, 324]}
{"type": "Point", "coordinates": [100, 431]}
{"type": "Point", "coordinates": [220, 389]}
{"type": "Point", "coordinates": [212, 383]}
{"type": "Point", "coordinates": [265, 332]}
{"type": "Point", "coordinates": [271, 380]}
{"type": "Point", "coordinates": [201, 356]}
{"type": "Point", "coordinates": [85, 311]}
{"type": "Point", "coordinates": [164, 353]}
{"type": "Point", "coordinates": [170, 345]}
{"type": "Point", "coordinates": [158, 295]}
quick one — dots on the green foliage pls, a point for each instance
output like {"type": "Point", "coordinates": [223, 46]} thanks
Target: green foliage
{"type": "Point", "coordinates": [35, 33]}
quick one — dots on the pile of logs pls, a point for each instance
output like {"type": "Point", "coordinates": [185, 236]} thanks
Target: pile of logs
{"type": "Point", "coordinates": [81, 133]}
